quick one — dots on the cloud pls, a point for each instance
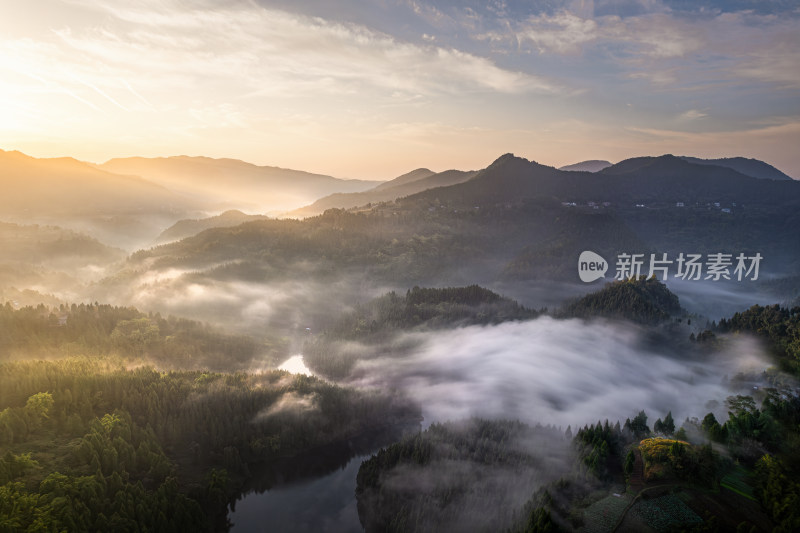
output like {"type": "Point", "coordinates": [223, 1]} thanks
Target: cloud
{"type": "Point", "coordinates": [278, 52]}
{"type": "Point", "coordinates": [554, 372]}
{"type": "Point", "coordinates": [693, 114]}
{"type": "Point", "coordinates": [291, 403]}
{"type": "Point", "coordinates": [652, 35]}
{"type": "Point", "coordinates": [711, 45]}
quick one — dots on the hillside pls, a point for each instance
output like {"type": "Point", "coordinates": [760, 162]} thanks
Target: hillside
{"type": "Point", "coordinates": [404, 179]}
{"type": "Point", "coordinates": [411, 183]}
{"type": "Point", "coordinates": [236, 184]}
{"type": "Point", "coordinates": [507, 223]}
{"type": "Point", "coordinates": [749, 167]}
{"type": "Point", "coordinates": [645, 301]}
{"type": "Point", "coordinates": [36, 244]}
{"type": "Point", "coordinates": [188, 227]}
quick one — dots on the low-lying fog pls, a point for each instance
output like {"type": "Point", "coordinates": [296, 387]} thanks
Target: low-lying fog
{"type": "Point", "coordinates": [560, 372]}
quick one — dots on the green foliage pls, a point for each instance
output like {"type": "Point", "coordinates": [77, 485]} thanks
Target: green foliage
{"type": "Point", "coordinates": [126, 450]}
{"type": "Point", "coordinates": [96, 329]}
{"type": "Point", "coordinates": [598, 445]}
{"type": "Point", "coordinates": [779, 493]}
{"type": "Point", "coordinates": [630, 460]}
{"type": "Point", "coordinates": [778, 325]}
{"type": "Point", "coordinates": [646, 301]}
{"type": "Point", "coordinates": [669, 458]}
{"type": "Point", "coordinates": [541, 521]}
{"type": "Point", "coordinates": [638, 426]}
{"type": "Point", "coordinates": [14, 466]}
{"type": "Point", "coordinates": [669, 424]}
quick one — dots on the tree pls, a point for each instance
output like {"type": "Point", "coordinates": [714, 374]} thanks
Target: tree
{"type": "Point", "coordinates": [639, 425]}
{"type": "Point", "coordinates": [630, 460]}
{"type": "Point", "coordinates": [37, 408]}
{"type": "Point", "coordinates": [669, 424]}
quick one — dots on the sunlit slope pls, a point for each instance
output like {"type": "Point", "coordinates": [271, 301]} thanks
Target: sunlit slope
{"type": "Point", "coordinates": [188, 227]}
{"type": "Point", "coordinates": [68, 187]}
{"type": "Point", "coordinates": [234, 183]}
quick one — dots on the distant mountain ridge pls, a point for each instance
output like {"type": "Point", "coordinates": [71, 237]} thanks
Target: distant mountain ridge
{"type": "Point", "coordinates": [413, 182]}
{"type": "Point", "coordinates": [409, 177]}
{"type": "Point", "coordinates": [188, 227]}
{"type": "Point", "coordinates": [643, 180]}
{"type": "Point", "coordinates": [66, 186]}
{"type": "Point", "coordinates": [234, 183]}
{"type": "Point", "coordinates": [748, 167]}
{"type": "Point", "coordinates": [592, 165]}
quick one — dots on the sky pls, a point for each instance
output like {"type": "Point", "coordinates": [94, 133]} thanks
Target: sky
{"type": "Point", "coordinates": [374, 89]}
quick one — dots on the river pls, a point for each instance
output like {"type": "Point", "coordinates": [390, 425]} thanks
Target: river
{"type": "Point", "coordinates": [322, 499]}
{"type": "Point", "coordinates": [316, 505]}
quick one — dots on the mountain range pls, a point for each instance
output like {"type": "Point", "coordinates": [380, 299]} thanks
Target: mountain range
{"type": "Point", "coordinates": [188, 227]}
{"type": "Point", "coordinates": [749, 167]}
{"type": "Point", "coordinates": [659, 180]}
{"type": "Point", "coordinates": [413, 182]}
{"type": "Point", "coordinates": [230, 183]}
{"type": "Point", "coordinates": [66, 186]}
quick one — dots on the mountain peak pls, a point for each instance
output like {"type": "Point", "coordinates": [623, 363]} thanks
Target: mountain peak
{"type": "Point", "coordinates": [507, 158]}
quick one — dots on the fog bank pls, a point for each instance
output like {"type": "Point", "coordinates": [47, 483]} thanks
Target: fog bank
{"type": "Point", "coordinates": [560, 372]}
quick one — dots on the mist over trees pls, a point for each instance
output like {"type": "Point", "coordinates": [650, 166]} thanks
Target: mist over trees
{"type": "Point", "coordinates": [422, 308]}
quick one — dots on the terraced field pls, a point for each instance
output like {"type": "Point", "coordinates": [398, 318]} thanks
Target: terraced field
{"type": "Point", "coordinates": [603, 515]}
{"type": "Point", "coordinates": [665, 513]}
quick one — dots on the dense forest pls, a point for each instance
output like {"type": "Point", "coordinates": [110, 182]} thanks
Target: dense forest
{"type": "Point", "coordinates": [169, 343]}
{"type": "Point", "coordinates": [89, 445]}
{"type": "Point", "coordinates": [642, 300]}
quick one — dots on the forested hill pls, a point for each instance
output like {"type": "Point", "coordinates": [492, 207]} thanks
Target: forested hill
{"type": "Point", "coordinates": [375, 325]}
{"type": "Point", "coordinates": [188, 227]}
{"type": "Point", "coordinates": [396, 188]}
{"type": "Point", "coordinates": [430, 309]}
{"type": "Point", "coordinates": [748, 167]}
{"type": "Point", "coordinates": [645, 301]}
{"type": "Point", "coordinates": [779, 326]}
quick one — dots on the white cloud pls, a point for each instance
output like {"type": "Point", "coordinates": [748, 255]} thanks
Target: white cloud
{"type": "Point", "coordinates": [554, 372]}
{"type": "Point", "coordinates": [693, 114]}
{"type": "Point", "coordinates": [278, 53]}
